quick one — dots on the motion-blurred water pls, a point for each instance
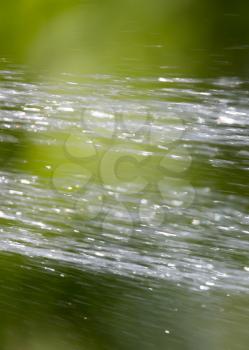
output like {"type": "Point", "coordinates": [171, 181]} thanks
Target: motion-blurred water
{"type": "Point", "coordinates": [97, 267]}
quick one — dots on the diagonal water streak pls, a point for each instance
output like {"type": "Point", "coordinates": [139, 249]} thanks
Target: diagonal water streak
{"type": "Point", "coordinates": [203, 245]}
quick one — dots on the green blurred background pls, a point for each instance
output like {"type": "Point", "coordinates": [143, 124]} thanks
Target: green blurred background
{"type": "Point", "coordinates": [206, 37]}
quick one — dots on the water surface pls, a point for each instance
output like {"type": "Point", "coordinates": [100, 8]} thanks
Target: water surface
{"type": "Point", "coordinates": [124, 211]}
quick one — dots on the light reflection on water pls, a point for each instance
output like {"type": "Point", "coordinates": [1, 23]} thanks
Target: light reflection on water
{"type": "Point", "coordinates": [202, 247]}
